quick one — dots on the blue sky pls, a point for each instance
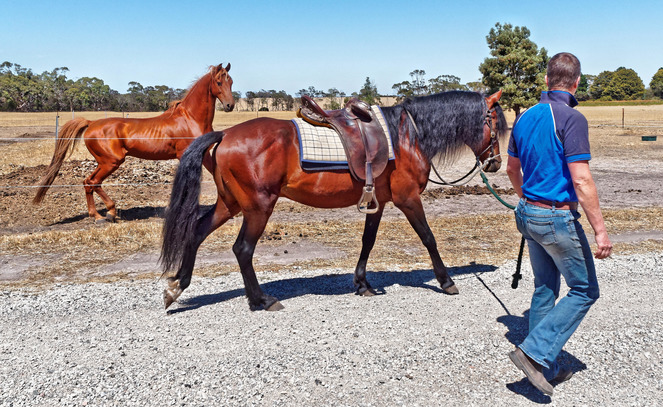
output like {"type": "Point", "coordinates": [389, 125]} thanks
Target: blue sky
{"type": "Point", "coordinates": [289, 45]}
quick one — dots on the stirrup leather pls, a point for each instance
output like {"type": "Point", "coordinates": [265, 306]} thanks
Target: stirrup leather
{"type": "Point", "coordinates": [368, 196]}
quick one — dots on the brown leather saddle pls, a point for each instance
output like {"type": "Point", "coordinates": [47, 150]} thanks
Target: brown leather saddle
{"type": "Point", "coordinates": [363, 139]}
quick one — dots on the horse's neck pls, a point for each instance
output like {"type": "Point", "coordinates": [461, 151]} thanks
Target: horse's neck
{"type": "Point", "coordinates": [199, 101]}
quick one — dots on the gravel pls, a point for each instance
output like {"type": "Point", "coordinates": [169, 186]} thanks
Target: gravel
{"type": "Point", "coordinates": [114, 345]}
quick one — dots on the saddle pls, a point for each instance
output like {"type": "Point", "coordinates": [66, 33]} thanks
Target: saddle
{"type": "Point", "coordinates": [363, 139]}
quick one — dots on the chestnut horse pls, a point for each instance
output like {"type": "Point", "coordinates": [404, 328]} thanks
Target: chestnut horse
{"type": "Point", "coordinates": [163, 137]}
{"type": "Point", "coordinates": [257, 161]}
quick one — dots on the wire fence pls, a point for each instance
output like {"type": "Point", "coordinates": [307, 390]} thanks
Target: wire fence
{"type": "Point", "coordinates": [597, 123]}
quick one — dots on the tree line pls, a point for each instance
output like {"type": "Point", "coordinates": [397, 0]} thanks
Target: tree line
{"type": "Point", "coordinates": [22, 90]}
{"type": "Point", "coordinates": [516, 65]}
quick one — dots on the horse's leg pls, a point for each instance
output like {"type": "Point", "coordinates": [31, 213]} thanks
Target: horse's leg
{"type": "Point", "coordinates": [252, 227]}
{"type": "Point", "coordinates": [208, 223]}
{"type": "Point", "coordinates": [367, 241]}
{"type": "Point", "coordinates": [414, 212]}
{"type": "Point", "coordinates": [93, 184]}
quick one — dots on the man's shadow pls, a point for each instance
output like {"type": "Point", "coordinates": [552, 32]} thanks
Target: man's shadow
{"type": "Point", "coordinates": [518, 328]}
{"type": "Point", "coordinates": [333, 284]}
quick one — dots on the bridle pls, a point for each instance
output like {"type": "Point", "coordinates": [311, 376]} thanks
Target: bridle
{"type": "Point", "coordinates": [487, 121]}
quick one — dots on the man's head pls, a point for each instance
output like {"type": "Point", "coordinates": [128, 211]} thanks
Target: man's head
{"type": "Point", "coordinates": [563, 72]}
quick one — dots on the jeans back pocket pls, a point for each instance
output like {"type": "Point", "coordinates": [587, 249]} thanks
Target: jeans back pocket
{"type": "Point", "coordinates": [542, 231]}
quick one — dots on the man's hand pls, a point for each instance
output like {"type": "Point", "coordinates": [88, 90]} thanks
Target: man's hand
{"type": "Point", "coordinates": [604, 244]}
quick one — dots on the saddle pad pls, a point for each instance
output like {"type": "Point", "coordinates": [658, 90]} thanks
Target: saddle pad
{"type": "Point", "coordinates": [321, 148]}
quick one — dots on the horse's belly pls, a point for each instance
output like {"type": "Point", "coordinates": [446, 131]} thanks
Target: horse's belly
{"type": "Point", "coordinates": [324, 190]}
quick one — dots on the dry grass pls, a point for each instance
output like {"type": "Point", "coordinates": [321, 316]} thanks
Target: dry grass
{"type": "Point", "coordinates": [484, 239]}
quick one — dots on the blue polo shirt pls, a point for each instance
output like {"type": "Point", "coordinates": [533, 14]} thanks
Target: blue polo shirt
{"type": "Point", "coordinates": [545, 138]}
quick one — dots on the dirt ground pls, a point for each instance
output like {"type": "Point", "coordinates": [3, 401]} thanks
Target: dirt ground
{"type": "Point", "coordinates": [628, 172]}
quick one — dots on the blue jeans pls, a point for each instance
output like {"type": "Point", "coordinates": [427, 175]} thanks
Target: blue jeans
{"type": "Point", "coordinates": [557, 246]}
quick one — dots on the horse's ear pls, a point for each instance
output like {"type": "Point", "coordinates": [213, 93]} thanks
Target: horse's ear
{"type": "Point", "coordinates": [228, 67]}
{"type": "Point", "coordinates": [494, 98]}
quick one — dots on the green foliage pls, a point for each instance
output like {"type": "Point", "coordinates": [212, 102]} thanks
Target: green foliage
{"type": "Point", "coordinates": [335, 97]}
{"type": "Point", "coordinates": [419, 87]}
{"type": "Point", "coordinates": [24, 91]}
{"type": "Point", "coordinates": [445, 83]}
{"type": "Point", "coordinates": [586, 82]}
{"type": "Point", "coordinates": [622, 84]}
{"type": "Point", "coordinates": [369, 93]}
{"type": "Point", "coordinates": [625, 84]}
{"type": "Point", "coordinates": [516, 66]}
{"type": "Point", "coordinates": [601, 82]}
{"type": "Point", "coordinates": [656, 84]}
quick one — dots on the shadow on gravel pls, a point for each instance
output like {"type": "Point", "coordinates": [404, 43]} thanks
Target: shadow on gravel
{"type": "Point", "coordinates": [131, 214]}
{"type": "Point", "coordinates": [518, 327]}
{"type": "Point", "coordinates": [334, 284]}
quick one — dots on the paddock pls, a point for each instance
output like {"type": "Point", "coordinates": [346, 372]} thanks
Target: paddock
{"type": "Point", "coordinates": [68, 341]}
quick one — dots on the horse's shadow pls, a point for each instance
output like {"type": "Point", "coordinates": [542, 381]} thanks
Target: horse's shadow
{"type": "Point", "coordinates": [518, 328]}
{"type": "Point", "coordinates": [131, 214]}
{"type": "Point", "coordinates": [334, 284]}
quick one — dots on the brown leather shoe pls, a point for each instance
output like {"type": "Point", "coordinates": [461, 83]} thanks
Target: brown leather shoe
{"type": "Point", "coordinates": [562, 376]}
{"type": "Point", "coordinates": [532, 370]}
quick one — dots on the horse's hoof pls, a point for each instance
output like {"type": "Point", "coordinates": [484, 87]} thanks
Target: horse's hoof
{"type": "Point", "coordinates": [171, 293]}
{"type": "Point", "coordinates": [101, 221]}
{"type": "Point", "coordinates": [367, 293]}
{"type": "Point", "coordinates": [110, 218]}
{"type": "Point", "coordinates": [451, 290]}
{"type": "Point", "coordinates": [275, 307]}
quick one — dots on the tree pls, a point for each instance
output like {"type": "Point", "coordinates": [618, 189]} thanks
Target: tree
{"type": "Point", "coordinates": [369, 93]}
{"type": "Point", "coordinates": [311, 91]}
{"type": "Point", "coordinates": [444, 83]}
{"type": "Point", "coordinates": [656, 84]}
{"type": "Point", "coordinates": [419, 87]}
{"type": "Point", "coordinates": [477, 86]}
{"type": "Point", "coordinates": [516, 66]}
{"type": "Point", "coordinates": [625, 84]}
{"type": "Point", "coordinates": [250, 99]}
{"type": "Point", "coordinates": [335, 97]}
{"type": "Point", "coordinates": [586, 82]}
{"type": "Point", "coordinates": [20, 88]}
{"type": "Point", "coordinates": [54, 84]}
{"type": "Point", "coordinates": [600, 83]}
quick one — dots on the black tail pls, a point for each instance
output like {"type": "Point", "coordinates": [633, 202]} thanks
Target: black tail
{"type": "Point", "coordinates": [181, 216]}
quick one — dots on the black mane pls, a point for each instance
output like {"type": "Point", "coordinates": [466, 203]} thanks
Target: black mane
{"type": "Point", "coordinates": [445, 122]}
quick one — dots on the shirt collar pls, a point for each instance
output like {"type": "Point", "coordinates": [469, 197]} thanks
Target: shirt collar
{"type": "Point", "coordinates": [558, 96]}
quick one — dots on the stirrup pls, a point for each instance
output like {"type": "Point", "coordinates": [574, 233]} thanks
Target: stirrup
{"type": "Point", "coordinates": [368, 197]}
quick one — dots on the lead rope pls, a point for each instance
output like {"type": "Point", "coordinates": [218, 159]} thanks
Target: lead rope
{"type": "Point", "coordinates": [517, 276]}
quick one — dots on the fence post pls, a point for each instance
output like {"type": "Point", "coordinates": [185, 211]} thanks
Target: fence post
{"type": "Point", "coordinates": [57, 122]}
{"type": "Point", "coordinates": [622, 117]}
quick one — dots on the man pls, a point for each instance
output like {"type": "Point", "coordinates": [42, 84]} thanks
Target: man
{"type": "Point", "coordinates": [548, 166]}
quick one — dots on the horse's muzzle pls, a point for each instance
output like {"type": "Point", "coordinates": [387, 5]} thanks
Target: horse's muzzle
{"type": "Point", "coordinates": [494, 164]}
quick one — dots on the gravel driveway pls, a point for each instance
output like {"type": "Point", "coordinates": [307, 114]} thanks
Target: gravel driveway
{"type": "Point", "coordinates": [114, 345]}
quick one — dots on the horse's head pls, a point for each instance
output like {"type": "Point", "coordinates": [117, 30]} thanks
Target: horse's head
{"type": "Point", "coordinates": [494, 127]}
{"type": "Point", "coordinates": [221, 86]}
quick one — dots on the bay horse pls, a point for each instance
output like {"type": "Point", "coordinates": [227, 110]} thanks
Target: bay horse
{"type": "Point", "coordinates": [163, 137]}
{"type": "Point", "coordinates": [257, 161]}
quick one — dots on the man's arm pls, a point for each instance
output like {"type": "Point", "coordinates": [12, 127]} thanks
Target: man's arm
{"type": "Point", "coordinates": [589, 200]}
{"type": "Point", "coordinates": [515, 174]}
